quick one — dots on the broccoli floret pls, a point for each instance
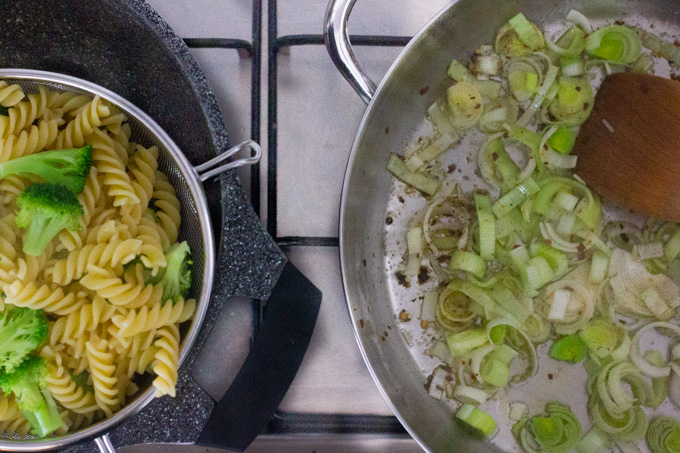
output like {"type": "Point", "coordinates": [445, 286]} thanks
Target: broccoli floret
{"type": "Point", "coordinates": [28, 382]}
{"type": "Point", "coordinates": [21, 331]}
{"type": "Point", "coordinates": [69, 167]}
{"type": "Point", "coordinates": [176, 276]}
{"type": "Point", "coordinates": [45, 210]}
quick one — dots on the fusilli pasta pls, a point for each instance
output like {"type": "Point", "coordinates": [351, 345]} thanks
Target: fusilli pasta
{"type": "Point", "coordinates": [99, 286]}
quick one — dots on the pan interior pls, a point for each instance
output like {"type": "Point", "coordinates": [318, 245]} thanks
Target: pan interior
{"type": "Point", "coordinates": [373, 234]}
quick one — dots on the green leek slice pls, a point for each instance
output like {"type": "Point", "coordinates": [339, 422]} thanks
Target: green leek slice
{"type": "Point", "coordinates": [562, 140]}
{"type": "Point", "coordinates": [515, 197]}
{"type": "Point", "coordinates": [424, 183]}
{"type": "Point", "coordinates": [663, 435]}
{"type": "Point", "coordinates": [487, 227]}
{"type": "Point", "coordinates": [615, 43]}
{"type": "Point", "coordinates": [477, 419]}
{"type": "Point", "coordinates": [468, 262]}
{"type": "Point", "coordinates": [527, 32]}
{"type": "Point", "coordinates": [558, 431]}
{"type": "Point", "coordinates": [568, 349]}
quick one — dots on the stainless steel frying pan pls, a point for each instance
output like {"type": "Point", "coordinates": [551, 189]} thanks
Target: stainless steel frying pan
{"type": "Point", "coordinates": [371, 250]}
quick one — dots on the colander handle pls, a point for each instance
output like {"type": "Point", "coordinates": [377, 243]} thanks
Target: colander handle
{"type": "Point", "coordinates": [104, 444]}
{"type": "Point", "coordinates": [209, 169]}
{"type": "Point", "coordinates": [271, 365]}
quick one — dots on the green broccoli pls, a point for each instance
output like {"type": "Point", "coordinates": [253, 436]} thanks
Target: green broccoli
{"type": "Point", "coordinates": [69, 167]}
{"type": "Point", "coordinates": [21, 331]}
{"type": "Point", "coordinates": [176, 276]}
{"type": "Point", "coordinates": [28, 382]}
{"type": "Point", "coordinates": [45, 210]}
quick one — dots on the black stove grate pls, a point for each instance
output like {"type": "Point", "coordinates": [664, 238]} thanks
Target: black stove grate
{"type": "Point", "coordinates": [285, 422]}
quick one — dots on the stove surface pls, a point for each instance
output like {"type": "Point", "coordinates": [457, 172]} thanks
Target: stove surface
{"type": "Point", "coordinates": [282, 90]}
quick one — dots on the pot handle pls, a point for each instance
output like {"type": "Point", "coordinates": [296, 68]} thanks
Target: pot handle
{"type": "Point", "coordinates": [209, 169]}
{"type": "Point", "coordinates": [272, 363]}
{"type": "Point", "coordinates": [336, 38]}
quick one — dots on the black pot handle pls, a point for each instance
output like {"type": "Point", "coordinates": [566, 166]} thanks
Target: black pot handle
{"type": "Point", "coordinates": [271, 365]}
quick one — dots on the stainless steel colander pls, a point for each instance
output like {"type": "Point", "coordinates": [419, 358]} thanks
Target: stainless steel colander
{"type": "Point", "coordinates": [195, 228]}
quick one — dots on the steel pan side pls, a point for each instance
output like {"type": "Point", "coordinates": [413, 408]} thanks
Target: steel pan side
{"type": "Point", "coordinates": [370, 195]}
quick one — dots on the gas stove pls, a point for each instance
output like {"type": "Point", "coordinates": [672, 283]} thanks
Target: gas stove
{"type": "Point", "coordinates": [275, 83]}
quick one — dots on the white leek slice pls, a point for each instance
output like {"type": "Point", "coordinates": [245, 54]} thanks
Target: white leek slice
{"type": "Point", "coordinates": [565, 225]}
{"type": "Point", "coordinates": [576, 17]}
{"type": "Point", "coordinates": [465, 105]}
{"type": "Point", "coordinates": [598, 267]}
{"type": "Point", "coordinates": [430, 152]}
{"type": "Point", "coordinates": [414, 242]}
{"type": "Point", "coordinates": [440, 350]}
{"type": "Point", "coordinates": [565, 201]}
{"type": "Point", "coordinates": [438, 383]}
{"type": "Point", "coordinates": [636, 355]}
{"type": "Point", "coordinates": [558, 308]}
{"type": "Point", "coordinates": [429, 307]}
{"type": "Point", "coordinates": [517, 411]}
{"type": "Point", "coordinates": [651, 250]}
{"type": "Point", "coordinates": [656, 305]}
{"type": "Point", "coordinates": [472, 395]}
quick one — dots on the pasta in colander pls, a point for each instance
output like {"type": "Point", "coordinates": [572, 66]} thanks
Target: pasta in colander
{"type": "Point", "coordinates": [108, 320]}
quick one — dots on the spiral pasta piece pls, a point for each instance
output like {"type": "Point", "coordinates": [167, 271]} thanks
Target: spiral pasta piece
{"type": "Point", "coordinates": [66, 392]}
{"type": "Point", "coordinates": [17, 425]}
{"type": "Point", "coordinates": [154, 317]}
{"type": "Point", "coordinates": [10, 95]}
{"type": "Point", "coordinates": [151, 252]}
{"type": "Point", "coordinates": [22, 114]}
{"type": "Point", "coordinates": [167, 360]}
{"type": "Point", "coordinates": [11, 187]}
{"type": "Point", "coordinates": [60, 104]}
{"type": "Point", "coordinates": [109, 165]}
{"type": "Point", "coordinates": [8, 407]}
{"type": "Point", "coordinates": [105, 283]}
{"type": "Point", "coordinates": [76, 421]}
{"type": "Point", "coordinates": [142, 169]}
{"type": "Point", "coordinates": [112, 254]}
{"type": "Point", "coordinates": [167, 207]}
{"type": "Point", "coordinates": [45, 298]}
{"type": "Point", "coordinates": [107, 229]}
{"type": "Point", "coordinates": [29, 268]}
{"type": "Point", "coordinates": [102, 371]}
{"type": "Point", "coordinates": [77, 323]}
{"type": "Point", "coordinates": [86, 122]}
{"type": "Point", "coordinates": [88, 199]}
{"type": "Point", "coordinates": [8, 241]}
{"type": "Point", "coordinates": [114, 122]}
{"type": "Point", "coordinates": [37, 138]}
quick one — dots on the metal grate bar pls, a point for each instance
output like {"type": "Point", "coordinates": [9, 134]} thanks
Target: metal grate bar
{"type": "Point", "coordinates": [357, 40]}
{"type": "Point", "coordinates": [307, 241]}
{"type": "Point", "coordinates": [253, 51]}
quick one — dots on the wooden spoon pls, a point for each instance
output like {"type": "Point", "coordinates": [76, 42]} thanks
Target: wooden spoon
{"type": "Point", "coordinates": [629, 149]}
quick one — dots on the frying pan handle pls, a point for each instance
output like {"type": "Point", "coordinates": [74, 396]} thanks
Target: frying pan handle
{"type": "Point", "coordinates": [209, 169]}
{"type": "Point", "coordinates": [337, 42]}
{"type": "Point", "coordinates": [271, 365]}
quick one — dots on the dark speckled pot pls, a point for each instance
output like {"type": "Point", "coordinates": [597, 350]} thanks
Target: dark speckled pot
{"type": "Point", "coordinates": [123, 45]}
